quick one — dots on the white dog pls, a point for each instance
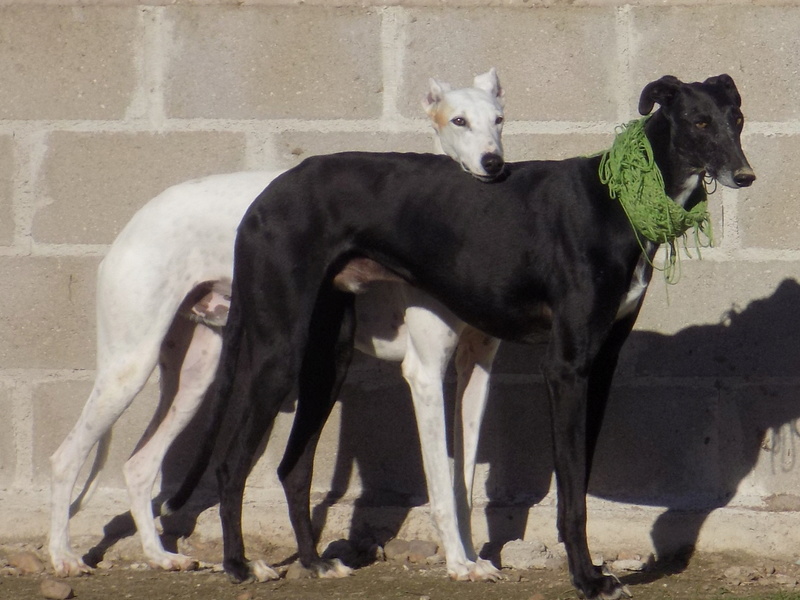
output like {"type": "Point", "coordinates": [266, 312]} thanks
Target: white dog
{"type": "Point", "coordinates": [174, 260]}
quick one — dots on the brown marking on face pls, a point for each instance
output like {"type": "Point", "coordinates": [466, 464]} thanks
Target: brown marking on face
{"type": "Point", "coordinates": [441, 116]}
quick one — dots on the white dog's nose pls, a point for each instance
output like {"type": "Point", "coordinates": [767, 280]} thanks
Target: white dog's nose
{"type": "Point", "coordinates": [492, 163]}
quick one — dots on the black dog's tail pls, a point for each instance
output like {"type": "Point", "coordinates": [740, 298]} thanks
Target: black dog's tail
{"type": "Point", "coordinates": [220, 396]}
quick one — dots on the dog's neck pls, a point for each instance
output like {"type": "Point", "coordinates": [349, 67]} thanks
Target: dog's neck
{"type": "Point", "coordinates": [682, 182]}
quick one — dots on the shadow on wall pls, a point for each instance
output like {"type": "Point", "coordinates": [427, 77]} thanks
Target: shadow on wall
{"type": "Point", "coordinates": [726, 389]}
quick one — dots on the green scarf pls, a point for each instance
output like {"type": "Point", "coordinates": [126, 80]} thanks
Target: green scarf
{"type": "Point", "coordinates": [633, 178]}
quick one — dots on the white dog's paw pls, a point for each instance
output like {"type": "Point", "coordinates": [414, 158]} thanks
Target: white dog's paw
{"type": "Point", "coordinates": [479, 570]}
{"type": "Point", "coordinates": [332, 569]}
{"type": "Point", "coordinates": [262, 571]}
{"type": "Point", "coordinates": [69, 565]}
{"type": "Point", "coordinates": [169, 561]}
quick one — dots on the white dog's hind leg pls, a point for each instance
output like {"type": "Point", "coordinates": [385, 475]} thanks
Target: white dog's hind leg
{"type": "Point", "coordinates": [474, 357]}
{"type": "Point", "coordinates": [114, 389]}
{"type": "Point", "coordinates": [141, 470]}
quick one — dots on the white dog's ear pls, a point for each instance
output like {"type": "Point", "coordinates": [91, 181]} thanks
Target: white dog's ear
{"type": "Point", "coordinates": [491, 84]}
{"type": "Point", "coordinates": [435, 95]}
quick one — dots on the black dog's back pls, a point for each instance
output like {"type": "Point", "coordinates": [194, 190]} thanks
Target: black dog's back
{"type": "Point", "coordinates": [420, 216]}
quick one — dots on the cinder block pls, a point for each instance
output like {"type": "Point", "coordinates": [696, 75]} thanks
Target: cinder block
{"type": "Point", "coordinates": [673, 427]}
{"type": "Point", "coordinates": [7, 168]}
{"type": "Point", "coordinates": [292, 147]}
{"type": "Point", "coordinates": [723, 319]}
{"type": "Point", "coordinates": [8, 452]}
{"type": "Point", "coordinates": [554, 147]}
{"type": "Point", "coordinates": [770, 210]}
{"type": "Point", "coordinates": [308, 62]}
{"type": "Point", "coordinates": [67, 62]}
{"type": "Point", "coordinates": [48, 321]}
{"type": "Point", "coordinates": [515, 451]}
{"type": "Point", "coordinates": [556, 63]}
{"type": "Point", "coordinates": [56, 408]}
{"type": "Point", "coordinates": [760, 442]}
{"type": "Point", "coordinates": [96, 181]}
{"type": "Point", "coordinates": [750, 43]}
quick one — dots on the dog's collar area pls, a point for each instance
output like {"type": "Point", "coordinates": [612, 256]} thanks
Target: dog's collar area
{"type": "Point", "coordinates": [629, 171]}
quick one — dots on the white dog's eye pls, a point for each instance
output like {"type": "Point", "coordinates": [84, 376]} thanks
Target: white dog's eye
{"type": "Point", "coordinates": [459, 121]}
{"type": "Point", "coordinates": [498, 120]}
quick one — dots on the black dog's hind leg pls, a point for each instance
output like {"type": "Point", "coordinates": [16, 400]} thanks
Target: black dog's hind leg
{"type": "Point", "coordinates": [263, 382]}
{"type": "Point", "coordinates": [325, 363]}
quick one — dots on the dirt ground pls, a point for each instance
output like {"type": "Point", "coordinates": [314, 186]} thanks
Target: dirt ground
{"type": "Point", "coordinates": [707, 577]}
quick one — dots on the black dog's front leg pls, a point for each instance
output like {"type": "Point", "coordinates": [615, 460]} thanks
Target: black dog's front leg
{"type": "Point", "coordinates": [567, 378]}
{"type": "Point", "coordinates": [600, 378]}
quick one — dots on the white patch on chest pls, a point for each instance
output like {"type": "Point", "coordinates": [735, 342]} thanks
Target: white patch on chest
{"type": "Point", "coordinates": [638, 282]}
{"type": "Point", "coordinates": [637, 288]}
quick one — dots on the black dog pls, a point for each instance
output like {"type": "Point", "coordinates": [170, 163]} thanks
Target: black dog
{"type": "Point", "coordinates": [545, 249]}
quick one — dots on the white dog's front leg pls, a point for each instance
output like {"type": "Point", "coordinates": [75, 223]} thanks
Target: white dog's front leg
{"type": "Point", "coordinates": [431, 344]}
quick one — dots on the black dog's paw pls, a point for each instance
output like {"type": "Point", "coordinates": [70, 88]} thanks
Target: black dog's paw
{"type": "Point", "coordinates": [607, 587]}
{"type": "Point", "coordinates": [238, 571]}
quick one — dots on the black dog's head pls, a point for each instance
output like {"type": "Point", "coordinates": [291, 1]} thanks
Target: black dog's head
{"type": "Point", "coordinates": [706, 124]}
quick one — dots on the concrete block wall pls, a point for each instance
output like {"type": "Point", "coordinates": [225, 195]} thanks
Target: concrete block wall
{"type": "Point", "coordinates": [104, 103]}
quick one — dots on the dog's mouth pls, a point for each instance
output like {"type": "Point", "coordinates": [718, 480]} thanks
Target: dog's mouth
{"type": "Point", "coordinates": [740, 178]}
{"type": "Point", "coordinates": [484, 177]}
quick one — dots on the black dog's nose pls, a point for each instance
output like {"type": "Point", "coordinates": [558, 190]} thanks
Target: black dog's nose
{"type": "Point", "coordinates": [744, 177]}
{"type": "Point", "coordinates": [492, 163]}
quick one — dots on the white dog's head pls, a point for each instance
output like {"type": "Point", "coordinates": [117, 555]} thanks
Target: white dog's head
{"type": "Point", "coordinates": [469, 123]}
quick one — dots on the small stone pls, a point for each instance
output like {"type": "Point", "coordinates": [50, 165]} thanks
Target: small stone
{"type": "Point", "coordinates": [738, 575]}
{"type": "Point", "coordinates": [436, 559]}
{"type": "Point", "coordinates": [297, 571]}
{"type": "Point", "coordinates": [248, 595]}
{"type": "Point", "coordinates": [420, 550]}
{"type": "Point", "coordinates": [55, 590]}
{"type": "Point", "coordinates": [520, 554]}
{"type": "Point", "coordinates": [396, 550]}
{"type": "Point", "coordinates": [784, 580]}
{"type": "Point", "coordinates": [628, 555]}
{"type": "Point", "coordinates": [555, 563]}
{"type": "Point", "coordinates": [27, 563]}
{"type": "Point", "coordinates": [628, 564]}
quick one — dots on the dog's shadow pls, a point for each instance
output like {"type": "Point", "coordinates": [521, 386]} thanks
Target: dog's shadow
{"type": "Point", "coordinates": [690, 417]}
{"type": "Point", "coordinates": [729, 406]}
{"type": "Point", "coordinates": [722, 386]}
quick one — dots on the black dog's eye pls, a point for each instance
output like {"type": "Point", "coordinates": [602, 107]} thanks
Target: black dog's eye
{"type": "Point", "coordinates": [701, 124]}
{"type": "Point", "coordinates": [498, 120]}
{"type": "Point", "coordinates": [739, 120]}
{"type": "Point", "coordinates": [459, 121]}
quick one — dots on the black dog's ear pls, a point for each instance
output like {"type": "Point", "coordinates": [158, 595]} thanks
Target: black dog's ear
{"type": "Point", "coordinates": [725, 81]}
{"type": "Point", "coordinates": [661, 91]}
